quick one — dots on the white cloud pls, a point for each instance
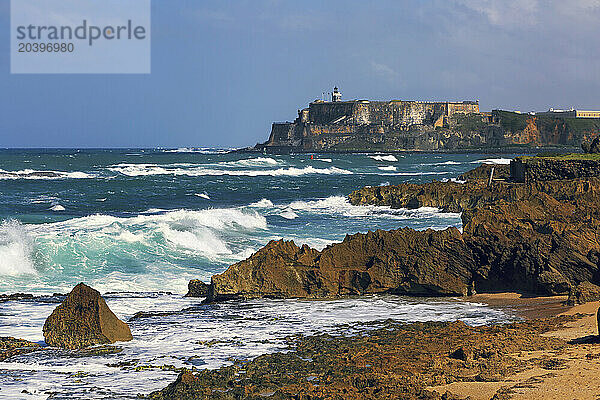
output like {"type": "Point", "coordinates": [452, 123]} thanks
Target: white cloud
{"type": "Point", "coordinates": [505, 12]}
{"type": "Point", "coordinates": [384, 70]}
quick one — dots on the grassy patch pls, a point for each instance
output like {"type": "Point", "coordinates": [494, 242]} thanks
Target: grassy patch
{"type": "Point", "coordinates": [568, 157]}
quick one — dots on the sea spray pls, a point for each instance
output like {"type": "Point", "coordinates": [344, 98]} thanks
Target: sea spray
{"type": "Point", "coordinates": [16, 249]}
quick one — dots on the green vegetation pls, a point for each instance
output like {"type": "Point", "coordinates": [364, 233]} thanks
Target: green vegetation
{"type": "Point", "coordinates": [568, 157]}
{"type": "Point", "coordinates": [512, 121]}
{"type": "Point", "coordinates": [469, 122]}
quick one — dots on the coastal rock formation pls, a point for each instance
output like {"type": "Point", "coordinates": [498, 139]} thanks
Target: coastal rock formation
{"type": "Point", "coordinates": [11, 347]}
{"type": "Point", "coordinates": [539, 237]}
{"type": "Point", "coordinates": [584, 292]}
{"type": "Point", "coordinates": [197, 288]}
{"type": "Point", "coordinates": [531, 169]}
{"type": "Point", "coordinates": [484, 171]}
{"type": "Point", "coordinates": [537, 245]}
{"type": "Point", "coordinates": [83, 319]}
{"type": "Point", "coordinates": [391, 361]}
{"type": "Point", "coordinates": [592, 147]}
{"type": "Point", "coordinates": [459, 197]}
{"type": "Point", "coordinates": [429, 263]}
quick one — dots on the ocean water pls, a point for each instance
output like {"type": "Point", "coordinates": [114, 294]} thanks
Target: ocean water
{"type": "Point", "coordinates": [138, 224]}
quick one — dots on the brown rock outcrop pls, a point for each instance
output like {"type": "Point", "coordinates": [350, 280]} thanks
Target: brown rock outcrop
{"type": "Point", "coordinates": [404, 261]}
{"type": "Point", "coordinates": [584, 292]}
{"type": "Point", "coordinates": [10, 346]}
{"type": "Point", "coordinates": [539, 245]}
{"type": "Point", "coordinates": [457, 197]}
{"type": "Point", "coordinates": [393, 361]}
{"type": "Point", "coordinates": [592, 147]}
{"type": "Point", "coordinates": [83, 319]}
{"type": "Point", "coordinates": [483, 172]}
{"type": "Point", "coordinates": [539, 238]}
{"type": "Point", "coordinates": [197, 288]}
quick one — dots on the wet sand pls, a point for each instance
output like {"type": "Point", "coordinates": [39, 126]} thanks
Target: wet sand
{"type": "Point", "coordinates": [571, 373]}
{"type": "Point", "coordinates": [523, 305]}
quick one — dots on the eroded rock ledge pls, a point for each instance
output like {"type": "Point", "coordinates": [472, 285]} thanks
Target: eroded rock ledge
{"type": "Point", "coordinates": [396, 361]}
{"type": "Point", "coordinates": [541, 237]}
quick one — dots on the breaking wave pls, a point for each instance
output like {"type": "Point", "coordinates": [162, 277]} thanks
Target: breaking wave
{"type": "Point", "coordinates": [492, 161]}
{"type": "Point", "coordinates": [153, 169]}
{"type": "Point", "coordinates": [159, 251]}
{"type": "Point", "coordinates": [340, 206]}
{"type": "Point", "coordinates": [443, 163]}
{"type": "Point", "coordinates": [203, 150]}
{"type": "Point", "coordinates": [253, 162]}
{"type": "Point", "coordinates": [16, 249]}
{"type": "Point", "coordinates": [389, 158]}
{"type": "Point", "coordinates": [33, 174]}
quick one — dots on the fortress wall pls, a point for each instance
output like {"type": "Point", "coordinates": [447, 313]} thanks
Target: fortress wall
{"type": "Point", "coordinates": [325, 113]}
{"type": "Point", "coordinates": [315, 130]}
{"type": "Point", "coordinates": [394, 113]}
{"type": "Point", "coordinates": [464, 108]}
{"type": "Point", "coordinates": [282, 132]}
{"type": "Point", "coordinates": [398, 113]}
{"type": "Point", "coordinates": [362, 113]}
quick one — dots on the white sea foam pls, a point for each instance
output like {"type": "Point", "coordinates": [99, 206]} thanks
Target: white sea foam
{"type": "Point", "coordinates": [443, 163]}
{"type": "Point", "coordinates": [253, 162]}
{"type": "Point", "coordinates": [152, 237]}
{"type": "Point", "coordinates": [492, 161]}
{"type": "Point", "coordinates": [388, 168]}
{"type": "Point", "coordinates": [262, 203]}
{"type": "Point", "coordinates": [203, 195]}
{"type": "Point", "coordinates": [203, 150]}
{"type": "Point", "coordinates": [57, 207]}
{"type": "Point", "coordinates": [151, 169]}
{"type": "Point", "coordinates": [388, 158]}
{"type": "Point", "coordinates": [289, 214]}
{"type": "Point", "coordinates": [16, 249]}
{"type": "Point", "coordinates": [416, 173]}
{"type": "Point", "coordinates": [201, 337]}
{"type": "Point", "coordinates": [39, 175]}
{"type": "Point", "coordinates": [339, 205]}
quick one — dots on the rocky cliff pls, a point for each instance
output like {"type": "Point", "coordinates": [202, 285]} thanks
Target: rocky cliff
{"type": "Point", "coordinates": [529, 169]}
{"type": "Point", "coordinates": [345, 127]}
{"type": "Point", "coordinates": [540, 237]}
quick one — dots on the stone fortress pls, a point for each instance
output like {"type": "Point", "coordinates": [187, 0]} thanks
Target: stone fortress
{"type": "Point", "coordinates": [398, 125]}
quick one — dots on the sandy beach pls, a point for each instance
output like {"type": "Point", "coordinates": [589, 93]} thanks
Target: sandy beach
{"type": "Point", "coordinates": [568, 373]}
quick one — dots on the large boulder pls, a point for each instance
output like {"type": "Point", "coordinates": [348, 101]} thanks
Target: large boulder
{"type": "Point", "coordinates": [83, 319]}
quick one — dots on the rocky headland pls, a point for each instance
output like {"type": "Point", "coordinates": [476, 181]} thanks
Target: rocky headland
{"type": "Point", "coordinates": [536, 237]}
{"type": "Point", "coordinates": [397, 126]}
{"type": "Point", "coordinates": [539, 237]}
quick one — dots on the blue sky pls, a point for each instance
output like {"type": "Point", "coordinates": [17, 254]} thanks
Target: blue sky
{"type": "Point", "coordinates": [222, 71]}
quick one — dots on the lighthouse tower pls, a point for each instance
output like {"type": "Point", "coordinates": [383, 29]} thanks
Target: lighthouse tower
{"type": "Point", "coordinates": [336, 95]}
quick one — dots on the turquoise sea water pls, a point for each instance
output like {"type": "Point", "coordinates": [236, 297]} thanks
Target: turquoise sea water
{"type": "Point", "coordinates": [139, 224]}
